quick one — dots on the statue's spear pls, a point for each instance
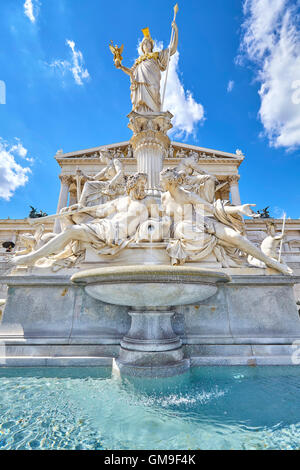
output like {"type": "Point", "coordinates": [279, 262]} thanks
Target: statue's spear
{"type": "Point", "coordinates": [282, 234]}
{"type": "Point", "coordinates": [176, 8]}
{"type": "Point", "coordinates": [50, 218]}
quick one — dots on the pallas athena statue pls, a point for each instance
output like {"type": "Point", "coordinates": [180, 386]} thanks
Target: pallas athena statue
{"type": "Point", "coordinates": [145, 74]}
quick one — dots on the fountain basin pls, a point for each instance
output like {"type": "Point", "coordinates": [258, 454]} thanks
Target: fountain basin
{"type": "Point", "coordinates": [150, 286]}
{"type": "Point", "coordinates": [150, 348]}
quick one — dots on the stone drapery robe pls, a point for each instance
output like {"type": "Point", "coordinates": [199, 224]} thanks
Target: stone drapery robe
{"type": "Point", "coordinates": [145, 90]}
{"type": "Point", "coordinates": [195, 240]}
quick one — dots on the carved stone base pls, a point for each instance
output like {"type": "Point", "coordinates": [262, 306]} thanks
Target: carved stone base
{"type": "Point", "coordinates": [153, 371]}
{"type": "Point", "coordinates": [49, 321]}
{"type": "Point", "coordinates": [151, 348]}
{"type": "Point", "coordinates": [151, 330]}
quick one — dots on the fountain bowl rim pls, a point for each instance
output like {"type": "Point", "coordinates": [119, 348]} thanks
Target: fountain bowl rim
{"type": "Point", "coordinates": [149, 273]}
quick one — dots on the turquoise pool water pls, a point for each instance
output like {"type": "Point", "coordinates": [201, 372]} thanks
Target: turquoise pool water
{"type": "Point", "coordinates": [208, 408]}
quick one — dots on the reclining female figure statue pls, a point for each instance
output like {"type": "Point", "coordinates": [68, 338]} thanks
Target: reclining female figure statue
{"type": "Point", "coordinates": [198, 235]}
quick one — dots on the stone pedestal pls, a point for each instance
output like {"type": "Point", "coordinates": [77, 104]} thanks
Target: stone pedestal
{"type": "Point", "coordinates": [151, 346]}
{"type": "Point", "coordinates": [150, 143]}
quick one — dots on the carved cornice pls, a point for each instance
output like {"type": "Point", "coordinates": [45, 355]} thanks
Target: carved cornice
{"type": "Point", "coordinates": [180, 150]}
{"type": "Point", "coordinates": [208, 161]}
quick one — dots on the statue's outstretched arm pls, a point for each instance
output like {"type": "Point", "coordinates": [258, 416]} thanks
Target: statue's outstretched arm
{"type": "Point", "coordinates": [85, 175]}
{"type": "Point", "coordinates": [126, 70]}
{"type": "Point", "coordinates": [174, 45]}
{"type": "Point", "coordinates": [119, 172]}
{"type": "Point", "coordinates": [98, 176]}
{"type": "Point", "coordinates": [190, 197]}
{"type": "Point", "coordinates": [101, 211]}
{"type": "Point", "coordinates": [244, 209]}
{"type": "Point", "coordinates": [196, 167]}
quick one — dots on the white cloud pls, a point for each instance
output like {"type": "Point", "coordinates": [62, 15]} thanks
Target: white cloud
{"type": "Point", "coordinates": [12, 174]}
{"type": "Point", "coordinates": [271, 40]}
{"type": "Point", "coordinates": [230, 86]}
{"type": "Point", "coordinates": [31, 8]}
{"type": "Point", "coordinates": [180, 102]}
{"type": "Point", "coordinates": [75, 65]}
{"type": "Point", "coordinates": [21, 151]}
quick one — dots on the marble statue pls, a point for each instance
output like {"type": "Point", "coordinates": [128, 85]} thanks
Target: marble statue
{"type": "Point", "coordinates": [142, 252]}
{"type": "Point", "coordinates": [155, 229]}
{"type": "Point", "coordinates": [171, 152]}
{"type": "Point", "coordinates": [34, 241]}
{"type": "Point", "coordinates": [196, 179]}
{"type": "Point", "coordinates": [193, 226]}
{"type": "Point", "coordinates": [272, 241]}
{"type": "Point", "coordinates": [145, 74]}
{"type": "Point", "coordinates": [196, 235]}
{"type": "Point", "coordinates": [181, 153]}
{"type": "Point", "coordinates": [118, 154]}
{"type": "Point", "coordinates": [108, 182]}
{"type": "Point", "coordinates": [109, 229]}
{"type": "Point", "coordinates": [129, 152]}
{"type": "Point", "coordinates": [269, 245]}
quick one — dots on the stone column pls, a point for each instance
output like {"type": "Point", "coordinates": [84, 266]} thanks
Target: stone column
{"type": "Point", "coordinates": [63, 199]}
{"type": "Point", "coordinates": [234, 189]}
{"type": "Point", "coordinates": [73, 198]}
{"type": "Point", "coordinates": [150, 143]}
{"type": "Point", "coordinates": [151, 348]}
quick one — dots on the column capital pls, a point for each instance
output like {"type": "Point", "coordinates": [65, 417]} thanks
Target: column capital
{"type": "Point", "coordinates": [150, 130]}
{"type": "Point", "coordinates": [159, 122]}
{"type": "Point", "coordinates": [233, 179]}
{"type": "Point", "coordinates": [65, 179]}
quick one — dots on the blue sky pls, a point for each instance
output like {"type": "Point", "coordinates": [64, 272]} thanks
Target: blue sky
{"type": "Point", "coordinates": [238, 72]}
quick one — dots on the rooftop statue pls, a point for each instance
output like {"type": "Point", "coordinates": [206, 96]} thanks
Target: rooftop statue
{"type": "Point", "coordinates": [145, 74]}
{"type": "Point", "coordinates": [34, 214]}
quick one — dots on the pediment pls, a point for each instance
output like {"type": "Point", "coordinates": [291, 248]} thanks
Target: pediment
{"type": "Point", "coordinates": [177, 151]}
